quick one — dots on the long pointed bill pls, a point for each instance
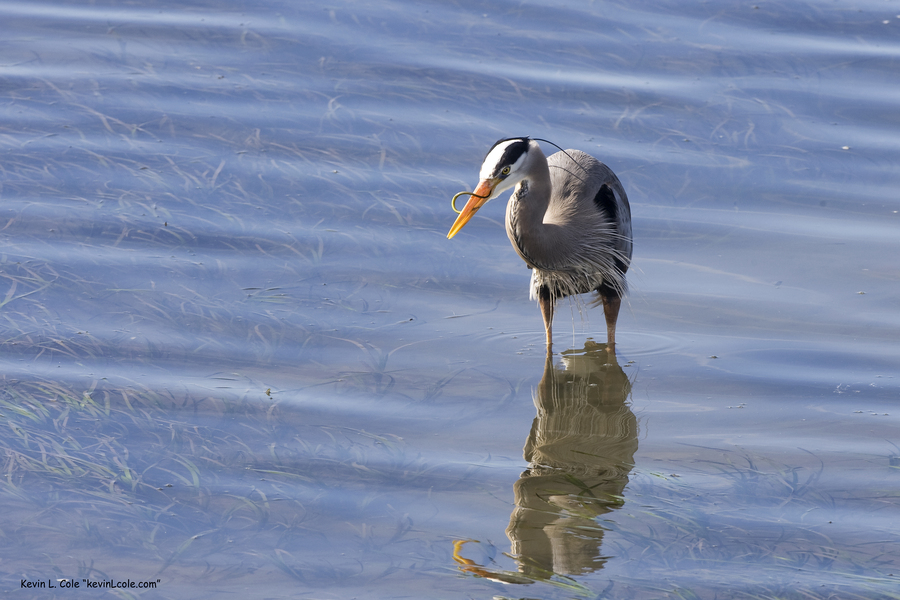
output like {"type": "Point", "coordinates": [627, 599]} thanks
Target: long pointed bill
{"type": "Point", "coordinates": [485, 189]}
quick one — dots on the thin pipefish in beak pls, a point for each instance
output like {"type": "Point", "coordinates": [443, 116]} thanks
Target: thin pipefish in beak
{"type": "Point", "coordinates": [477, 199]}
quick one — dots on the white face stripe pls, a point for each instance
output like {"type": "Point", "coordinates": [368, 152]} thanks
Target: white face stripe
{"type": "Point", "coordinates": [489, 166]}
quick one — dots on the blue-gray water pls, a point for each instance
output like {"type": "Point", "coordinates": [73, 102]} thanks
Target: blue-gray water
{"type": "Point", "coordinates": [241, 357]}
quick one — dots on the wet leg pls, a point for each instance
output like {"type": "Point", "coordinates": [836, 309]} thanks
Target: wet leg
{"type": "Point", "coordinates": [611, 305]}
{"type": "Point", "coordinates": [546, 300]}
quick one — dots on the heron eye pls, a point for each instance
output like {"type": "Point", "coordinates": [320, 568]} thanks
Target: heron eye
{"type": "Point", "coordinates": [505, 170]}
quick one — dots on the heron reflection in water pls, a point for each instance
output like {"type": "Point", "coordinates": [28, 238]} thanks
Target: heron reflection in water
{"type": "Point", "coordinates": [580, 452]}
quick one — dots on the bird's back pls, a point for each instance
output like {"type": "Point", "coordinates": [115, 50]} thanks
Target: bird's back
{"type": "Point", "coordinates": [589, 204]}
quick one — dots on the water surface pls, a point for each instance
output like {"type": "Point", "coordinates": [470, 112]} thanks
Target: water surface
{"type": "Point", "coordinates": [240, 356]}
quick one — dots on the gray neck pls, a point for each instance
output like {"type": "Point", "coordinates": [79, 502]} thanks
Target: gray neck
{"type": "Point", "coordinates": [525, 216]}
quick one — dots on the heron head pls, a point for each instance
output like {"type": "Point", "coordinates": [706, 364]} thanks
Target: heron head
{"type": "Point", "coordinates": [506, 164]}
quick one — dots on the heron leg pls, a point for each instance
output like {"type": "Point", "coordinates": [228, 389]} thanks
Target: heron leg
{"type": "Point", "coordinates": [547, 302]}
{"type": "Point", "coordinates": [611, 305]}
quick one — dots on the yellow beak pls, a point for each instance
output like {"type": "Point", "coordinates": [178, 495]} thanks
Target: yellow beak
{"type": "Point", "coordinates": [484, 189]}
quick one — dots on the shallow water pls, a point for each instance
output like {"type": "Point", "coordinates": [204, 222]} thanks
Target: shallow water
{"type": "Point", "coordinates": [240, 356]}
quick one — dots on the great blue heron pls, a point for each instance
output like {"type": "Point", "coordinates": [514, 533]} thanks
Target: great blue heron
{"type": "Point", "coordinates": [568, 219]}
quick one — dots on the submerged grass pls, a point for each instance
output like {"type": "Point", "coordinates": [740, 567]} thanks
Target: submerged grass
{"type": "Point", "coordinates": [771, 530]}
{"type": "Point", "coordinates": [152, 480]}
